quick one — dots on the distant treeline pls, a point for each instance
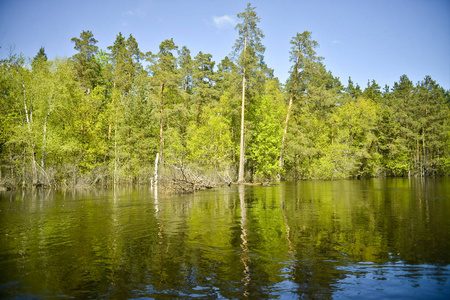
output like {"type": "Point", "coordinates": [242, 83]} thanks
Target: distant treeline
{"type": "Point", "coordinates": [101, 116]}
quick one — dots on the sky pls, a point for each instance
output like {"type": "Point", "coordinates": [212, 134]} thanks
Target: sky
{"type": "Point", "coordinates": [363, 39]}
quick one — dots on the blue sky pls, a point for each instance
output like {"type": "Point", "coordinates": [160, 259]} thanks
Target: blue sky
{"type": "Point", "coordinates": [364, 39]}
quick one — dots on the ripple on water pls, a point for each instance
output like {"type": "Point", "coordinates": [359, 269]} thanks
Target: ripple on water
{"type": "Point", "coordinates": [396, 280]}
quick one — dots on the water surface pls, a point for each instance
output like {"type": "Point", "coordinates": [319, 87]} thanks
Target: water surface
{"type": "Point", "coordinates": [380, 238]}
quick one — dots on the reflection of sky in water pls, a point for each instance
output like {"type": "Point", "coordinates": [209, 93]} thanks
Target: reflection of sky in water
{"type": "Point", "coordinates": [372, 281]}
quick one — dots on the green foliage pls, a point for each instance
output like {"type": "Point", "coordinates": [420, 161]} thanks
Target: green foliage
{"type": "Point", "coordinates": [264, 144]}
{"type": "Point", "coordinates": [203, 81]}
{"type": "Point", "coordinates": [352, 90]}
{"type": "Point", "coordinates": [102, 116]}
{"type": "Point", "coordinates": [248, 46]}
{"type": "Point", "coordinates": [355, 123]}
{"type": "Point", "coordinates": [210, 143]}
{"type": "Point", "coordinates": [86, 66]}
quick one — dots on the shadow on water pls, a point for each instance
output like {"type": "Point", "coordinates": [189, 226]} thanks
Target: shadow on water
{"type": "Point", "coordinates": [379, 238]}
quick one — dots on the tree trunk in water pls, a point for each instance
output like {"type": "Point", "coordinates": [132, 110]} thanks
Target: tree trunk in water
{"type": "Point", "coordinates": [283, 140]}
{"type": "Point", "coordinates": [242, 152]}
{"type": "Point", "coordinates": [241, 155]}
{"type": "Point", "coordinates": [130, 177]}
{"type": "Point", "coordinates": [156, 169]}
{"type": "Point", "coordinates": [115, 155]}
{"type": "Point", "coordinates": [161, 125]}
{"type": "Point", "coordinates": [29, 119]}
{"type": "Point", "coordinates": [288, 114]}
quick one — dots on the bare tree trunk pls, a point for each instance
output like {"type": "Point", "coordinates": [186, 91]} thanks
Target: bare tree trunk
{"type": "Point", "coordinates": [156, 169]}
{"type": "Point", "coordinates": [242, 146]}
{"type": "Point", "coordinates": [161, 127]}
{"type": "Point", "coordinates": [115, 154]}
{"type": "Point", "coordinates": [241, 155]}
{"type": "Point", "coordinates": [29, 119]}
{"type": "Point", "coordinates": [110, 125]}
{"type": "Point", "coordinates": [130, 177]}
{"type": "Point", "coordinates": [288, 114]}
{"type": "Point", "coordinates": [283, 140]}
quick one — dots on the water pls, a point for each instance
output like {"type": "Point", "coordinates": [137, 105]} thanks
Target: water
{"type": "Point", "coordinates": [381, 238]}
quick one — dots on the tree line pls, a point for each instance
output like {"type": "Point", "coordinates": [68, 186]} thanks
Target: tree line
{"type": "Point", "coordinates": [102, 116]}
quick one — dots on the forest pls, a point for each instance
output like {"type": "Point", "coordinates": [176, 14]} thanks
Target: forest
{"type": "Point", "coordinates": [109, 116]}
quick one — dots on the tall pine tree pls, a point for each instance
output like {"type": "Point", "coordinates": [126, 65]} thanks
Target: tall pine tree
{"type": "Point", "coordinates": [250, 52]}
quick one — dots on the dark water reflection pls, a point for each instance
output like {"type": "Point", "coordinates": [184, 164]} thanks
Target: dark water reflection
{"type": "Point", "coordinates": [309, 240]}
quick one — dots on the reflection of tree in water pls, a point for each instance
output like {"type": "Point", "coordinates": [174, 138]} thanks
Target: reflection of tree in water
{"type": "Point", "coordinates": [263, 240]}
{"type": "Point", "coordinates": [245, 258]}
{"type": "Point", "coordinates": [315, 278]}
{"type": "Point", "coordinates": [335, 224]}
{"type": "Point", "coordinates": [314, 268]}
{"type": "Point", "coordinates": [242, 241]}
{"type": "Point", "coordinates": [282, 195]}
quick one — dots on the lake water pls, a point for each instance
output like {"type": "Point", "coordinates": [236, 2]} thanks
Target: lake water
{"type": "Point", "coordinates": [378, 238]}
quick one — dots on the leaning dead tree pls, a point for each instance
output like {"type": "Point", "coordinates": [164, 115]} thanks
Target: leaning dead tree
{"type": "Point", "coordinates": [183, 180]}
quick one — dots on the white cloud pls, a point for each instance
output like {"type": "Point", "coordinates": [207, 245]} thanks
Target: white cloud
{"type": "Point", "coordinates": [335, 42]}
{"type": "Point", "coordinates": [224, 21]}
